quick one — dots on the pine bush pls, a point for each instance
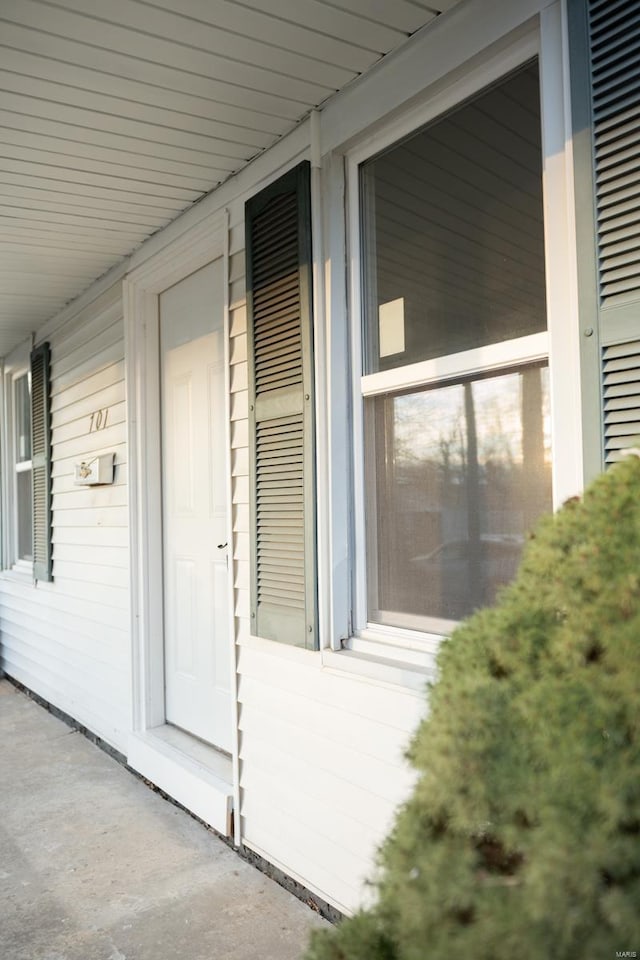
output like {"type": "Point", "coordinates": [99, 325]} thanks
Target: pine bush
{"type": "Point", "coordinates": [522, 836]}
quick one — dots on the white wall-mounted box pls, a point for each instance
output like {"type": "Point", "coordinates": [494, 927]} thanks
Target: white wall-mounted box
{"type": "Point", "coordinates": [95, 470]}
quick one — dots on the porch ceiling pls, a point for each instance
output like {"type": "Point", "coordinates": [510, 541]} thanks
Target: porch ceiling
{"type": "Point", "coordinates": [116, 117]}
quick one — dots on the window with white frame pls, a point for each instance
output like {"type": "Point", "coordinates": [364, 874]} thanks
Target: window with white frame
{"type": "Point", "coordinates": [25, 444]}
{"type": "Point", "coordinates": [23, 525]}
{"type": "Point", "coordinates": [455, 385]}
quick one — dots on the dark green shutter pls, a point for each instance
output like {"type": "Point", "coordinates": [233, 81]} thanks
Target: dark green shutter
{"type": "Point", "coordinates": [41, 461]}
{"type": "Point", "coordinates": [605, 67]}
{"type": "Point", "coordinates": [281, 420]}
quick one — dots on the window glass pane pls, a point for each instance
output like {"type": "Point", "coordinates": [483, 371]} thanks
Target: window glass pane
{"type": "Point", "coordinates": [23, 419]}
{"type": "Point", "coordinates": [453, 231]}
{"type": "Point", "coordinates": [459, 473]}
{"type": "Point", "coordinates": [24, 531]}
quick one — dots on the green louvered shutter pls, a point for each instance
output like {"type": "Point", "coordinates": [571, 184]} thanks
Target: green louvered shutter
{"type": "Point", "coordinates": [281, 422]}
{"type": "Point", "coordinates": [41, 461]}
{"type": "Point", "coordinates": [621, 387]}
{"type": "Point", "coordinates": [605, 49]}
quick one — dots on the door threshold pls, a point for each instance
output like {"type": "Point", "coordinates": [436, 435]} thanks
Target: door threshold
{"type": "Point", "coordinates": [211, 758]}
{"type": "Point", "coordinates": [195, 774]}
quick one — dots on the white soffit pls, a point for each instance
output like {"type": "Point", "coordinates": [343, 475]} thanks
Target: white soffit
{"type": "Point", "coordinates": [115, 117]}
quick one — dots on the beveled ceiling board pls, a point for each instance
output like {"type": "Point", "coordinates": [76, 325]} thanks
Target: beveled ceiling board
{"type": "Point", "coordinates": [24, 284]}
{"type": "Point", "coordinates": [69, 200]}
{"type": "Point", "coordinates": [291, 31]}
{"type": "Point", "coordinates": [25, 95]}
{"type": "Point", "coordinates": [152, 170]}
{"type": "Point", "coordinates": [36, 208]}
{"type": "Point", "coordinates": [115, 117]}
{"type": "Point", "coordinates": [145, 44]}
{"type": "Point", "coordinates": [135, 92]}
{"type": "Point", "coordinates": [139, 181]}
{"type": "Point", "coordinates": [110, 66]}
{"type": "Point", "coordinates": [31, 302]}
{"type": "Point", "coordinates": [123, 226]}
{"type": "Point", "coordinates": [227, 53]}
{"type": "Point", "coordinates": [18, 258]}
{"type": "Point", "coordinates": [69, 274]}
{"type": "Point", "coordinates": [337, 21]}
{"type": "Point", "coordinates": [38, 239]}
{"type": "Point", "coordinates": [225, 153]}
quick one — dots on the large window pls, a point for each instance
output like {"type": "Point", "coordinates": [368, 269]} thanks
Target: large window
{"type": "Point", "coordinates": [455, 380]}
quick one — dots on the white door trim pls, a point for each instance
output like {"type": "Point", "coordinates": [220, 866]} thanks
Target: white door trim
{"type": "Point", "coordinates": [141, 288]}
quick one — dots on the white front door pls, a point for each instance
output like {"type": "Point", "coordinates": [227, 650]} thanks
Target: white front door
{"type": "Point", "coordinates": [197, 644]}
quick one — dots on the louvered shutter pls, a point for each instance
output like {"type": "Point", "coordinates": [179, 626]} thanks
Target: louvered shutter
{"type": "Point", "coordinates": [606, 65]}
{"type": "Point", "coordinates": [614, 29]}
{"type": "Point", "coordinates": [281, 423]}
{"type": "Point", "coordinates": [621, 369]}
{"type": "Point", "coordinates": [41, 461]}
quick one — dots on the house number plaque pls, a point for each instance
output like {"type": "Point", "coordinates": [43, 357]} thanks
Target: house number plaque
{"type": "Point", "coordinates": [98, 420]}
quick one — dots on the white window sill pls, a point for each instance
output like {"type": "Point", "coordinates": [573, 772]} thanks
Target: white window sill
{"type": "Point", "coordinates": [367, 667]}
{"type": "Point", "coordinates": [21, 571]}
{"type": "Point", "coordinates": [403, 659]}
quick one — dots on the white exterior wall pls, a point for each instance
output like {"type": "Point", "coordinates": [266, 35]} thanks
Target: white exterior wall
{"type": "Point", "coordinates": [321, 740]}
{"type": "Point", "coordinates": [320, 748]}
{"type": "Point", "coordinates": [320, 751]}
{"type": "Point", "coordinates": [322, 766]}
{"type": "Point", "coordinates": [68, 640]}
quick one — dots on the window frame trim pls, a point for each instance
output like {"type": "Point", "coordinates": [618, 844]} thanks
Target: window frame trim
{"type": "Point", "coordinates": [42, 460]}
{"type": "Point", "coordinates": [546, 40]}
{"type": "Point", "coordinates": [20, 466]}
{"type": "Point", "coordinates": [493, 357]}
{"type": "Point", "coordinates": [16, 365]}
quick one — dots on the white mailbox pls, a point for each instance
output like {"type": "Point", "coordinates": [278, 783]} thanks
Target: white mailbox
{"type": "Point", "coordinates": [93, 470]}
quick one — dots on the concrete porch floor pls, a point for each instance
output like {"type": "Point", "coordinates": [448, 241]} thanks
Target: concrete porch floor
{"type": "Point", "coordinates": [96, 866]}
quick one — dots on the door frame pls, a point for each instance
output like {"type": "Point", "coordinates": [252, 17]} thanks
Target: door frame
{"type": "Point", "coordinates": [194, 248]}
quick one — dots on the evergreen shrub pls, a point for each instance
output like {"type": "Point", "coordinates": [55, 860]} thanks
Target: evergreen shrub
{"type": "Point", "coordinates": [522, 836]}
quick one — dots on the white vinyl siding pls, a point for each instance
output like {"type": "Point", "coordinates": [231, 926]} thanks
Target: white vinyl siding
{"type": "Point", "coordinates": [322, 765]}
{"type": "Point", "coordinates": [322, 734]}
{"type": "Point", "coordinates": [321, 750]}
{"type": "Point", "coordinates": [69, 640]}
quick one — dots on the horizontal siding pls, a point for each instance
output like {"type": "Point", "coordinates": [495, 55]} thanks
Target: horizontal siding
{"type": "Point", "coordinates": [69, 640]}
{"type": "Point", "coordinates": [321, 772]}
{"type": "Point", "coordinates": [321, 753]}
{"type": "Point", "coordinates": [94, 715]}
{"type": "Point", "coordinates": [64, 482]}
{"type": "Point", "coordinates": [329, 756]}
{"type": "Point", "coordinates": [85, 600]}
{"type": "Point", "coordinates": [322, 764]}
{"type": "Point", "coordinates": [67, 620]}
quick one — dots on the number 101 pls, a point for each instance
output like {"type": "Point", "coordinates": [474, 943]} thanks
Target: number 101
{"type": "Point", "coordinates": [98, 420]}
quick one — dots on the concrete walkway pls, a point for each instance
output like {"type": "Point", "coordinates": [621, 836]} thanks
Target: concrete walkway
{"type": "Point", "coordinates": [96, 866]}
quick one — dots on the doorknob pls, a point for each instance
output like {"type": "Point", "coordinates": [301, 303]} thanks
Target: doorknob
{"type": "Point", "coordinates": [221, 546]}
